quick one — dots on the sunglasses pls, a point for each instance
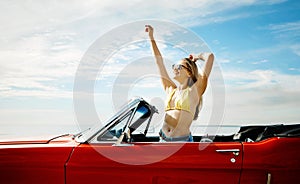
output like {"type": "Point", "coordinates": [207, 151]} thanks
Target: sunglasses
{"type": "Point", "coordinates": [179, 67]}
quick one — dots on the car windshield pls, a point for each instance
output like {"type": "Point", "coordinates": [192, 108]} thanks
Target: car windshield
{"type": "Point", "coordinates": [114, 132]}
{"type": "Point", "coordinates": [132, 112]}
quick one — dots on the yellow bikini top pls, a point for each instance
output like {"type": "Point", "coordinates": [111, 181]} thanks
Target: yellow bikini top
{"type": "Point", "coordinates": [182, 101]}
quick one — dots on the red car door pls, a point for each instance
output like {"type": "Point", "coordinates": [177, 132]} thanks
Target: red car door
{"type": "Point", "coordinates": [156, 163]}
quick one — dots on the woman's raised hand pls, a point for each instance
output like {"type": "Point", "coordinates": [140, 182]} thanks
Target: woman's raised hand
{"type": "Point", "coordinates": [149, 29]}
{"type": "Point", "coordinates": [195, 57]}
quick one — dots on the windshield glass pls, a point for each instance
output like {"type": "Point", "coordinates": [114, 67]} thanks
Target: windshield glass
{"type": "Point", "coordinates": [113, 133]}
{"type": "Point", "coordinates": [126, 108]}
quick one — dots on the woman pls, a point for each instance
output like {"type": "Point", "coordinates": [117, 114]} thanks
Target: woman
{"type": "Point", "coordinates": [183, 101]}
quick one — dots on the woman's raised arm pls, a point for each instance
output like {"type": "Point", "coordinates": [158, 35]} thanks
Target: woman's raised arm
{"type": "Point", "coordinates": [165, 78]}
{"type": "Point", "coordinates": [208, 58]}
{"type": "Point", "coordinates": [201, 83]}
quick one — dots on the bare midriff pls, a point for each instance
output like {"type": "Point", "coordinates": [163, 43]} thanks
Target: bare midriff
{"type": "Point", "coordinates": [173, 118]}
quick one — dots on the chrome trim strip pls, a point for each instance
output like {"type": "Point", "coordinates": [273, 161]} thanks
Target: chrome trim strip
{"type": "Point", "coordinates": [227, 150]}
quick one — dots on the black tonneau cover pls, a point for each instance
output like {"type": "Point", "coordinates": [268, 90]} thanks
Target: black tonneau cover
{"type": "Point", "coordinates": [258, 133]}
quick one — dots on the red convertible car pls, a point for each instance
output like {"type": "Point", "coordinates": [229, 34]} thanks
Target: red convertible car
{"type": "Point", "coordinates": [122, 151]}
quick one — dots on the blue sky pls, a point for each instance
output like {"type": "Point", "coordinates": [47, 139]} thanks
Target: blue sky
{"type": "Point", "coordinates": [256, 44]}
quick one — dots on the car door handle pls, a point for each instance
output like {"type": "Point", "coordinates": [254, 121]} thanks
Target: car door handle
{"type": "Point", "coordinates": [234, 151]}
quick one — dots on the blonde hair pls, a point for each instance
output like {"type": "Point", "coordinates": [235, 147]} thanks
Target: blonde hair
{"type": "Point", "coordinates": [193, 70]}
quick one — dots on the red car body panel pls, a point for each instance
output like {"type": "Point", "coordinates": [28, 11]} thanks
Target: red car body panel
{"type": "Point", "coordinates": [192, 163]}
{"type": "Point", "coordinates": [56, 162]}
{"type": "Point", "coordinates": [277, 157]}
{"type": "Point", "coordinates": [33, 162]}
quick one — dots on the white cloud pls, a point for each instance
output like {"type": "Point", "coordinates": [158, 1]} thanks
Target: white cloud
{"type": "Point", "coordinates": [42, 42]}
{"type": "Point", "coordinates": [223, 60]}
{"type": "Point", "coordinates": [285, 27]}
{"type": "Point", "coordinates": [296, 49]}
{"type": "Point", "coordinates": [294, 69]}
{"type": "Point", "coordinates": [38, 62]}
{"type": "Point", "coordinates": [287, 33]}
{"type": "Point", "coordinates": [29, 16]}
{"type": "Point", "coordinates": [260, 62]}
{"type": "Point", "coordinates": [261, 96]}
{"type": "Point", "coordinates": [262, 79]}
